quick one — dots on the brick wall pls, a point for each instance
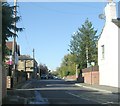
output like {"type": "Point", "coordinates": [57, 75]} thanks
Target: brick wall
{"type": "Point", "coordinates": [91, 75]}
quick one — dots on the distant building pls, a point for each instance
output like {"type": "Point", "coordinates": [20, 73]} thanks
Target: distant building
{"type": "Point", "coordinates": [108, 48]}
{"type": "Point", "coordinates": [28, 65]}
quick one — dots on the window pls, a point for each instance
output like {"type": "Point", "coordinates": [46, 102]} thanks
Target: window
{"type": "Point", "coordinates": [103, 51]}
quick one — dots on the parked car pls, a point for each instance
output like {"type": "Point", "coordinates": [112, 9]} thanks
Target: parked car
{"type": "Point", "coordinates": [50, 76]}
{"type": "Point", "coordinates": [44, 76]}
{"type": "Point", "coordinates": [57, 78]}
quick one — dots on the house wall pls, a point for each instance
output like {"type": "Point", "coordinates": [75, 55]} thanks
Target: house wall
{"type": "Point", "coordinates": [108, 66]}
{"type": "Point", "coordinates": [25, 63]}
{"type": "Point", "coordinates": [119, 57]}
{"type": "Point", "coordinates": [29, 66]}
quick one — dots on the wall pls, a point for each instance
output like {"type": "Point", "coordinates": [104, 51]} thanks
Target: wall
{"type": "Point", "coordinates": [91, 75]}
{"type": "Point", "coordinates": [0, 56]}
{"type": "Point", "coordinates": [108, 66]}
{"type": "Point", "coordinates": [4, 91]}
{"type": "Point", "coordinates": [22, 64]}
{"type": "Point", "coordinates": [70, 77]}
{"type": "Point", "coordinates": [0, 84]}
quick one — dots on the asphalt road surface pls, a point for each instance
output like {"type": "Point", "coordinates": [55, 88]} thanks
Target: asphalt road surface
{"type": "Point", "coordinates": [62, 92]}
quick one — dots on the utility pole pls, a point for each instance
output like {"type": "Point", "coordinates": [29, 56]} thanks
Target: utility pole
{"type": "Point", "coordinates": [87, 56]}
{"type": "Point", "coordinates": [76, 71]}
{"type": "Point", "coordinates": [34, 61]}
{"type": "Point", "coordinates": [14, 43]}
{"type": "Point", "coordinates": [33, 53]}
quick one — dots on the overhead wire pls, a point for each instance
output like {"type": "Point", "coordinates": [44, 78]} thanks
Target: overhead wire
{"type": "Point", "coordinates": [25, 34]}
{"type": "Point", "coordinates": [68, 12]}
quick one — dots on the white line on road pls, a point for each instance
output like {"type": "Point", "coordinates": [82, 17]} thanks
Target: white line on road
{"type": "Point", "coordinates": [82, 97]}
{"type": "Point", "coordinates": [72, 94]}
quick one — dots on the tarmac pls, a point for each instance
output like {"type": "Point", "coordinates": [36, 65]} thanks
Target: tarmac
{"type": "Point", "coordinates": [14, 98]}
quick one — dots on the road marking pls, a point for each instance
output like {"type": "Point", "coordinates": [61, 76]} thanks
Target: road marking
{"type": "Point", "coordinates": [83, 97]}
{"type": "Point", "coordinates": [72, 94]}
{"type": "Point", "coordinates": [38, 99]}
{"type": "Point", "coordinates": [51, 88]}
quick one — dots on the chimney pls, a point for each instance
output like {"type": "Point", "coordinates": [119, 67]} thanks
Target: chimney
{"type": "Point", "coordinates": [119, 9]}
{"type": "Point", "coordinates": [110, 11]}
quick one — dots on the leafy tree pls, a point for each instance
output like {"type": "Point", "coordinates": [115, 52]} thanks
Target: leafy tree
{"type": "Point", "coordinates": [67, 66]}
{"type": "Point", "coordinates": [8, 20]}
{"type": "Point", "coordinates": [83, 45]}
{"type": "Point", "coordinates": [43, 69]}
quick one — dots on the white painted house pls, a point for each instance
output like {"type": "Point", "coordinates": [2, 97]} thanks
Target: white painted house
{"type": "Point", "coordinates": [108, 47]}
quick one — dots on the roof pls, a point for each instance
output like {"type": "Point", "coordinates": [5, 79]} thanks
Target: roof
{"type": "Point", "coordinates": [25, 57]}
{"type": "Point", "coordinates": [116, 21]}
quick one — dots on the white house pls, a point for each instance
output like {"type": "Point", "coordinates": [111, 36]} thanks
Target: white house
{"type": "Point", "coordinates": [108, 47]}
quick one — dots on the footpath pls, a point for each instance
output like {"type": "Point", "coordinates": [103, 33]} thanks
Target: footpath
{"type": "Point", "coordinates": [101, 88]}
{"type": "Point", "coordinates": [16, 97]}
{"type": "Point", "coordinates": [21, 94]}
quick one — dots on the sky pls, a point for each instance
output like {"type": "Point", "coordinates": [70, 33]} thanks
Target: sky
{"type": "Point", "coordinates": [50, 25]}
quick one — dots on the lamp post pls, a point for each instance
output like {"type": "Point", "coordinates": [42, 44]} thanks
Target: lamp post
{"type": "Point", "coordinates": [92, 64]}
{"type": "Point", "coordinates": [76, 71]}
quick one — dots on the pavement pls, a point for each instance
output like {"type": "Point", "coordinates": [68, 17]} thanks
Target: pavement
{"type": "Point", "coordinates": [14, 97]}
{"type": "Point", "coordinates": [101, 88]}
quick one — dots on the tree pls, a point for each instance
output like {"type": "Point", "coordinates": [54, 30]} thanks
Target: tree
{"type": "Point", "coordinates": [8, 20]}
{"type": "Point", "coordinates": [67, 66]}
{"type": "Point", "coordinates": [43, 69]}
{"type": "Point", "coordinates": [83, 44]}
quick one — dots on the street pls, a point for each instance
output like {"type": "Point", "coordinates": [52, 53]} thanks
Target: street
{"type": "Point", "coordinates": [58, 92]}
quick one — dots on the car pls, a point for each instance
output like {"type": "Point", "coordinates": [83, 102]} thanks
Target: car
{"type": "Point", "coordinates": [44, 76]}
{"type": "Point", "coordinates": [55, 77]}
{"type": "Point", "coordinates": [50, 76]}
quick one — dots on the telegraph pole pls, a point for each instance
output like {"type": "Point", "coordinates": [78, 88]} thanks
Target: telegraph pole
{"type": "Point", "coordinates": [33, 53]}
{"type": "Point", "coordinates": [14, 42]}
{"type": "Point", "coordinates": [76, 71]}
{"type": "Point", "coordinates": [34, 62]}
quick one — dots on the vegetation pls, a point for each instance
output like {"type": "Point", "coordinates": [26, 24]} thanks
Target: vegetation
{"type": "Point", "coordinates": [83, 50]}
{"type": "Point", "coordinates": [8, 26]}
{"type": "Point", "coordinates": [43, 69]}
{"type": "Point", "coordinates": [84, 45]}
{"type": "Point", "coordinates": [68, 66]}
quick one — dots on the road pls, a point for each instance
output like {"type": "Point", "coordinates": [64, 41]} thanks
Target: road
{"type": "Point", "coordinates": [61, 92]}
